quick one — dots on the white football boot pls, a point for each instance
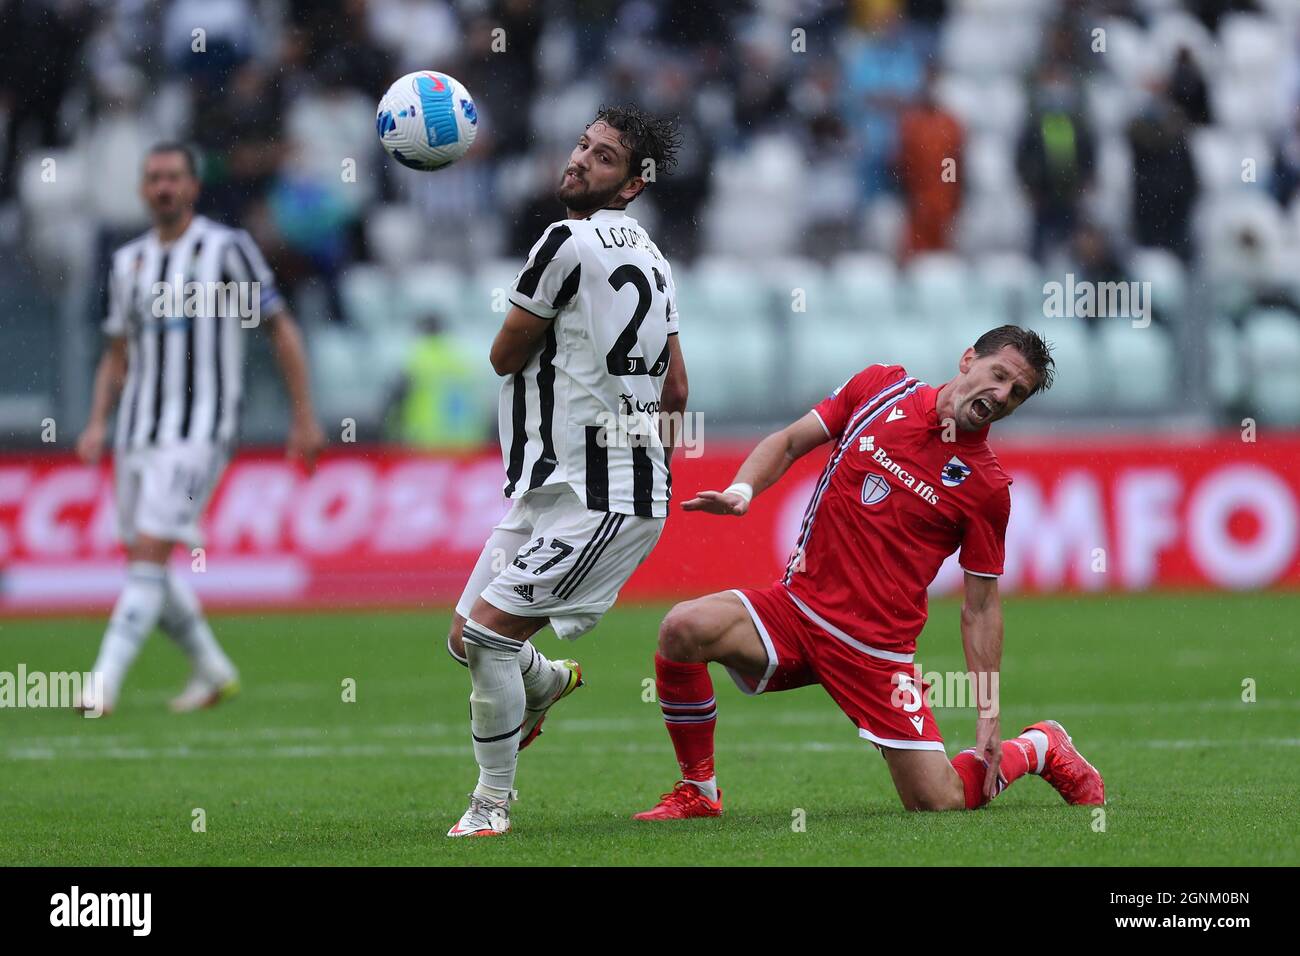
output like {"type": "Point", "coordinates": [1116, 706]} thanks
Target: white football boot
{"type": "Point", "coordinates": [484, 818]}
{"type": "Point", "coordinates": [206, 689]}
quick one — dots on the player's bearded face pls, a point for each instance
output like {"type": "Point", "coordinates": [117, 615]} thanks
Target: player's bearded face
{"type": "Point", "coordinates": [168, 189]}
{"type": "Point", "coordinates": [596, 172]}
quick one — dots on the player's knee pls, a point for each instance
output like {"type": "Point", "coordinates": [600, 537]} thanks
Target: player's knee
{"type": "Point", "coordinates": [680, 636]}
{"type": "Point", "coordinates": [930, 801]}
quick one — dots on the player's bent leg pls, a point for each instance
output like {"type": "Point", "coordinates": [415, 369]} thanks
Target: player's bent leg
{"type": "Point", "coordinates": [925, 780]}
{"type": "Point", "coordinates": [493, 639]}
{"type": "Point", "coordinates": [714, 628]}
{"type": "Point", "coordinates": [213, 676]}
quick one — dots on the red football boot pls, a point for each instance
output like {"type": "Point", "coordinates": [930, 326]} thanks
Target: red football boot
{"type": "Point", "coordinates": [685, 801]}
{"type": "Point", "coordinates": [1076, 780]}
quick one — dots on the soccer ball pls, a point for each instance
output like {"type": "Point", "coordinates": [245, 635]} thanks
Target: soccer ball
{"type": "Point", "coordinates": [427, 120]}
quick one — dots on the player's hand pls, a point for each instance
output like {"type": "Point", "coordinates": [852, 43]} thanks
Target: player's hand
{"type": "Point", "coordinates": [717, 503]}
{"type": "Point", "coordinates": [988, 744]}
{"type": "Point", "coordinates": [305, 441]}
{"type": "Point", "coordinates": [90, 444]}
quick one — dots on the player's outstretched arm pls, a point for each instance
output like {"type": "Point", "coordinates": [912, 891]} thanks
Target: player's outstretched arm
{"type": "Point", "coordinates": [109, 377]}
{"type": "Point", "coordinates": [519, 337]}
{"type": "Point", "coordinates": [305, 436]}
{"type": "Point", "coordinates": [769, 460]}
{"type": "Point", "coordinates": [981, 637]}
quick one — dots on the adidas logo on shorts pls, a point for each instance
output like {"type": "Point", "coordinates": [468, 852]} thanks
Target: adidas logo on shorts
{"type": "Point", "coordinates": [525, 591]}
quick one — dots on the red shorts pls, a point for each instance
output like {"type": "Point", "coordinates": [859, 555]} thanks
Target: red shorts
{"type": "Point", "coordinates": [885, 699]}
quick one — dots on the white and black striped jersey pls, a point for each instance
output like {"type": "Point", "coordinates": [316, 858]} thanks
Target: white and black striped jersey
{"type": "Point", "coordinates": [185, 337]}
{"type": "Point", "coordinates": [584, 410]}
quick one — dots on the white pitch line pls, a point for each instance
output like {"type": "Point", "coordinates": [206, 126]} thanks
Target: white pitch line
{"type": "Point", "coordinates": [360, 750]}
{"type": "Point", "coordinates": [740, 714]}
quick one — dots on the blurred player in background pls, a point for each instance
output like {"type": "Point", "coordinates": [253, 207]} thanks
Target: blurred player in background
{"type": "Point", "coordinates": [180, 372]}
{"type": "Point", "coordinates": [911, 480]}
{"type": "Point", "coordinates": [591, 354]}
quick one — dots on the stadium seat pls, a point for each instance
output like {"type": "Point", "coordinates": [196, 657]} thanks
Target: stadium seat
{"type": "Point", "coordinates": [432, 288]}
{"type": "Point", "coordinates": [369, 296]}
{"type": "Point", "coordinates": [1218, 157]}
{"type": "Point", "coordinates": [989, 163]}
{"type": "Point", "coordinates": [1128, 53]}
{"type": "Point", "coordinates": [731, 365]}
{"type": "Point", "coordinates": [1077, 388]}
{"type": "Point", "coordinates": [1165, 272]}
{"type": "Point", "coordinates": [938, 285]}
{"type": "Point", "coordinates": [1272, 350]}
{"type": "Point", "coordinates": [1011, 283]}
{"type": "Point", "coordinates": [1226, 364]}
{"type": "Point", "coordinates": [1138, 363]}
{"type": "Point", "coordinates": [983, 44]}
{"type": "Point", "coordinates": [731, 288]}
{"type": "Point", "coordinates": [1252, 45]}
{"type": "Point", "coordinates": [864, 283]}
{"type": "Point", "coordinates": [783, 276]}
{"type": "Point", "coordinates": [994, 105]}
{"type": "Point", "coordinates": [1249, 104]}
{"type": "Point", "coordinates": [825, 351]}
{"type": "Point", "coordinates": [994, 221]}
{"type": "Point", "coordinates": [1110, 204]}
{"type": "Point", "coordinates": [356, 380]}
{"type": "Point", "coordinates": [1173, 29]}
{"type": "Point", "coordinates": [395, 234]}
{"type": "Point", "coordinates": [1110, 103]}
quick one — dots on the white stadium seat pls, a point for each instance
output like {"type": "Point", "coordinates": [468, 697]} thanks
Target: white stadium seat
{"type": "Point", "coordinates": [1077, 387]}
{"type": "Point", "coordinates": [1139, 364]}
{"type": "Point", "coordinates": [1226, 363]}
{"type": "Point", "coordinates": [1165, 272]}
{"type": "Point", "coordinates": [1272, 351]}
{"type": "Point", "coordinates": [369, 296]}
{"type": "Point", "coordinates": [1252, 45]}
{"type": "Point", "coordinates": [865, 283]}
{"type": "Point", "coordinates": [432, 287]}
{"type": "Point", "coordinates": [939, 284]}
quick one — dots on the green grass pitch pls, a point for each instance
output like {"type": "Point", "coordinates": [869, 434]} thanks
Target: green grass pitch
{"type": "Point", "coordinates": [288, 773]}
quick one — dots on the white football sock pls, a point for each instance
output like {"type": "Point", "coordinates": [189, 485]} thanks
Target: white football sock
{"type": "Point", "coordinates": [182, 620]}
{"type": "Point", "coordinates": [1039, 740]}
{"type": "Point", "coordinates": [541, 678]}
{"type": "Point", "coordinates": [134, 617]}
{"type": "Point", "coordinates": [496, 707]}
{"type": "Point", "coordinates": [708, 787]}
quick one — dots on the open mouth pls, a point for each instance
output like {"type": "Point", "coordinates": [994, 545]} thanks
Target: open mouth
{"type": "Point", "coordinates": [981, 410]}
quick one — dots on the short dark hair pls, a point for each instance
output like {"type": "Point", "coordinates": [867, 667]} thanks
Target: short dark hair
{"type": "Point", "coordinates": [174, 146]}
{"type": "Point", "coordinates": [1032, 346]}
{"type": "Point", "coordinates": [646, 137]}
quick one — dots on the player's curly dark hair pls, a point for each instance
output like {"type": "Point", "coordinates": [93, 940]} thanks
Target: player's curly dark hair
{"type": "Point", "coordinates": [647, 137]}
{"type": "Point", "coordinates": [1032, 346]}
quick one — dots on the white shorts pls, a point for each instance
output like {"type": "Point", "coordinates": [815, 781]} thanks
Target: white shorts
{"type": "Point", "coordinates": [161, 492]}
{"type": "Point", "coordinates": [552, 556]}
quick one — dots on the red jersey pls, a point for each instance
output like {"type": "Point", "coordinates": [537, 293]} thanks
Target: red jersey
{"type": "Point", "coordinates": [893, 502]}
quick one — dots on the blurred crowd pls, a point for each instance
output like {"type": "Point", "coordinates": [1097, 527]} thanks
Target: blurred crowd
{"type": "Point", "coordinates": [904, 126]}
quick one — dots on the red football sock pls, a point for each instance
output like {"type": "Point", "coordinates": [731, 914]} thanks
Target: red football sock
{"type": "Point", "coordinates": [686, 698]}
{"type": "Point", "coordinates": [1017, 756]}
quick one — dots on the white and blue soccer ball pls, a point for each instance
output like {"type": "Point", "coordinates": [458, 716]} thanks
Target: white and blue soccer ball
{"type": "Point", "coordinates": [427, 120]}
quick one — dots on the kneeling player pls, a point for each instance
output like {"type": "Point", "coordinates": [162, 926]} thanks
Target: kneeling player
{"type": "Point", "coordinates": [911, 479]}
